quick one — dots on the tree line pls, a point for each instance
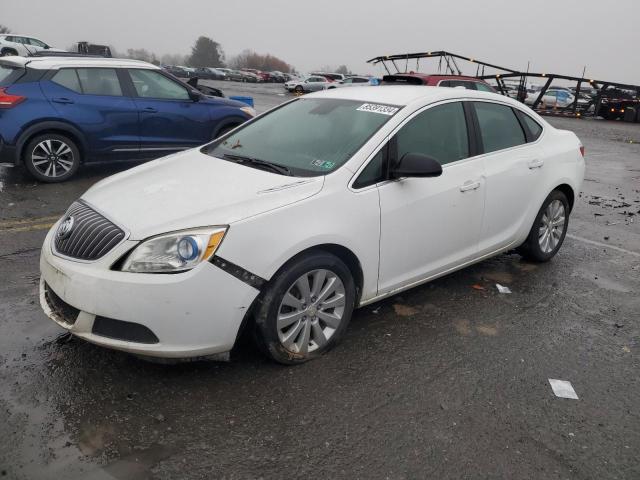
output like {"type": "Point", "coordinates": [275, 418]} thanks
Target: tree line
{"type": "Point", "coordinates": [209, 53]}
{"type": "Point", "coordinates": [204, 53]}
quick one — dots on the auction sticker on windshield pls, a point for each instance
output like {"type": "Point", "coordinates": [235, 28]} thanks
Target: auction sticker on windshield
{"type": "Point", "coordinates": [376, 108]}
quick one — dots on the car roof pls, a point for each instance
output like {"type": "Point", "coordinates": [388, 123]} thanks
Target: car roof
{"type": "Point", "coordinates": [49, 63]}
{"type": "Point", "coordinates": [407, 94]}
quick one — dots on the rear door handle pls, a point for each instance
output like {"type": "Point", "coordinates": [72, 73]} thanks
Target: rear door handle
{"type": "Point", "coordinates": [150, 110]}
{"type": "Point", "coordinates": [536, 163]}
{"type": "Point", "coordinates": [469, 186]}
{"type": "Point", "coordinates": [64, 100]}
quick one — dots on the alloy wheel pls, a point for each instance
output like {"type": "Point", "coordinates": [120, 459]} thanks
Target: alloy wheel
{"type": "Point", "coordinates": [52, 158]}
{"type": "Point", "coordinates": [552, 226]}
{"type": "Point", "coordinates": [311, 311]}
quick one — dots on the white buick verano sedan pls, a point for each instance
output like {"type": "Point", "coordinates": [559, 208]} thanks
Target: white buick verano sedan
{"type": "Point", "coordinates": [327, 203]}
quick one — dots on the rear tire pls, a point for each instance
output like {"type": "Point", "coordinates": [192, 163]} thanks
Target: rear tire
{"type": "Point", "coordinates": [549, 229]}
{"type": "Point", "coordinates": [51, 158]}
{"type": "Point", "coordinates": [305, 309]}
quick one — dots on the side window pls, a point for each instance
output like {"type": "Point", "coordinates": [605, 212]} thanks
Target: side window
{"type": "Point", "coordinates": [360, 80]}
{"type": "Point", "coordinates": [499, 126]}
{"type": "Point", "coordinates": [36, 43]}
{"type": "Point", "coordinates": [445, 83]}
{"type": "Point", "coordinates": [99, 81]}
{"type": "Point", "coordinates": [151, 84]}
{"type": "Point", "coordinates": [483, 88]}
{"type": "Point", "coordinates": [439, 132]}
{"type": "Point", "coordinates": [373, 172]}
{"type": "Point", "coordinates": [535, 130]}
{"type": "Point", "coordinates": [68, 78]}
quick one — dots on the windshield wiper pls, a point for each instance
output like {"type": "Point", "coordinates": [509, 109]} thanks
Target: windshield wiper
{"type": "Point", "coordinates": [256, 162]}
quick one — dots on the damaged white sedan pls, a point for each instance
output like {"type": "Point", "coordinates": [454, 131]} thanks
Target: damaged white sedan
{"type": "Point", "coordinates": [286, 224]}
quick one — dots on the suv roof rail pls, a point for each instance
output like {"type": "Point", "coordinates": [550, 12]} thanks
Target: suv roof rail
{"type": "Point", "coordinates": [45, 53]}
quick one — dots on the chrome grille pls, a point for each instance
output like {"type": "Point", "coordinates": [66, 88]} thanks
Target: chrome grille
{"type": "Point", "coordinates": [85, 234]}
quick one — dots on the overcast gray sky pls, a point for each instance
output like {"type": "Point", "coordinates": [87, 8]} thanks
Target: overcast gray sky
{"type": "Point", "coordinates": [560, 36]}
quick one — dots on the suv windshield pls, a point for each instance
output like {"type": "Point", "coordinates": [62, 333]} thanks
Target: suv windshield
{"type": "Point", "coordinates": [309, 136]}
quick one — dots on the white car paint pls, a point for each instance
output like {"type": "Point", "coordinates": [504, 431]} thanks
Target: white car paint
{"type": "Point", "coordinates": [23, 45]}
{"type": "Point", "coordinates": [403, 232]}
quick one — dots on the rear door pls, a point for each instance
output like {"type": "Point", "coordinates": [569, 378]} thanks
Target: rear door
{"type": "Point", "coordinates": [93, 100]}
{"type": "Point", "coordinates": [169, 119]}
{"type": "Point", "coordinates": [513, 170]}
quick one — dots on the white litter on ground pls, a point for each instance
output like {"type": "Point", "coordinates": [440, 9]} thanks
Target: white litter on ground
{"type": "Point", "coordinates": [502, 288]}
{"type": "Point", "coordinates": [563, 389]}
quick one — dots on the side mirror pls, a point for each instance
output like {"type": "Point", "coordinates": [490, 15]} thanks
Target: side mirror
{"type": "Point", "coordinates": [416, 165]}
{"type": "Point", "coordinates": [195, 95]}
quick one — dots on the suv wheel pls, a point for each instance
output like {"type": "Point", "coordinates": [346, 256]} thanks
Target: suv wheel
{"type": "Point", "coordinates": [305, 310]}
{"type": "Point", "coordinates": [8, 52]}
{"type": "Point", "coordinates": [52, 158]}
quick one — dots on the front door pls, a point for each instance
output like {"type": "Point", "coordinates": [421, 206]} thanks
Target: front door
{"type": "Point", "coordinates": [430, 225]}
{"type": "Point", "coordinates": [169, 119]}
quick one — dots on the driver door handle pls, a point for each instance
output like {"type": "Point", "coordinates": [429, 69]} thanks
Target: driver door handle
{"type": "Point", "coordinates": [535, 163]}
{"type": "Point", "coordinates": [150, 110]}
{"type": "Point", "coordinates": [467, 186]}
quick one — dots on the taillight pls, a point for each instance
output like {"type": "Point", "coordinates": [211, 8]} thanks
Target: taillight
{"type": "Point", "coordinates": [9, 101]}
{"type": "Point", "coordinates": [582, 150]}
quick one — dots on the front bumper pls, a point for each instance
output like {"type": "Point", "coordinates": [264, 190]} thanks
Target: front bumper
{"type": "Point", "coordinates": [192, 314]}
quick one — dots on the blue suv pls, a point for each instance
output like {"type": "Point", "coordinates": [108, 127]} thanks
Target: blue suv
{"type": "Point", "coordinates": [57, 113]}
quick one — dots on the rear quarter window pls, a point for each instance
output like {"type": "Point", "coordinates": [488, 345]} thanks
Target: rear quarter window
{"type": "Point", "coordinates": [8, 75]}
{"type": "Point", "coordinates": [533, 127]}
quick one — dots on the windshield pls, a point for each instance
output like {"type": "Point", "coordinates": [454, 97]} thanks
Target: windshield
{"type": "Point", "coordinates": [309, 136]}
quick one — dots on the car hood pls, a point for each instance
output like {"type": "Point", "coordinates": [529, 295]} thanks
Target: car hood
{"type": "Point", "coordinates": [192, 189]}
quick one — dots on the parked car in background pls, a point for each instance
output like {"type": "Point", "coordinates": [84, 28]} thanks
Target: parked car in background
{"type": "Point", "coordinates": [57, 113]}
{"type": "Point", "coordinates": [207, 73]}
{"type": "Point", "coordinates": [176, 71]}
{"type": "Point", "coordinates": [556, 97]}
{"type": "Point", "coordinates": [277, 77]}
{"type": "Point", "coordinates": [332, 77]}
{"type": "Point", "coordinates": [259, 74]}
{"type": "Point", "coordinates": [12, 44]}
{"type": "Point", "coordinates": [242, 76]}
{"type": "Point", "coordinates": [453, 81]}
{"type": "Point", "coordinates": [353, 81]}
{"type": "Point", "coordinates": [334, 201]}
{"type": "Point", "coordinates": [291, 76]}
{"type": "Point", "coordinates": [226, 72]}
{"type": "Point", "coordinates": [312, 83]}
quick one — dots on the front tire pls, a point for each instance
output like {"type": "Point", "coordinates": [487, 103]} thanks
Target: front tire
{"type": "Point", "coordinates": [52, 158]}
{"type": "Point", "coordinates": [549, 229]}
{"type": "Point", "coordinates": [299, 89]}
{"type": "Point", "coordinates": [305, 309]}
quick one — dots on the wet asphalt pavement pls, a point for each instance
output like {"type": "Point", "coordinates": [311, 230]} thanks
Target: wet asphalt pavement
{"type": "Point", "coordinates": [448, 380]}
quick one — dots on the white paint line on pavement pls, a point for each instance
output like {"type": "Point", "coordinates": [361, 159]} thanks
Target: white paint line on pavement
{"type": "Point", "coordinates": [603, 245]}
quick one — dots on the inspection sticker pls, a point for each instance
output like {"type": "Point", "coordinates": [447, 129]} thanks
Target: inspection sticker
{"type": "Point", "coordinates": [375, 108]}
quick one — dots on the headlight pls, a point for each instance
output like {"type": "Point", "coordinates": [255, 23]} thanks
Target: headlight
{"type": "Point", "coordinates": [249, 111]}
{"type": "Point", "coordinates": [175, 252]}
